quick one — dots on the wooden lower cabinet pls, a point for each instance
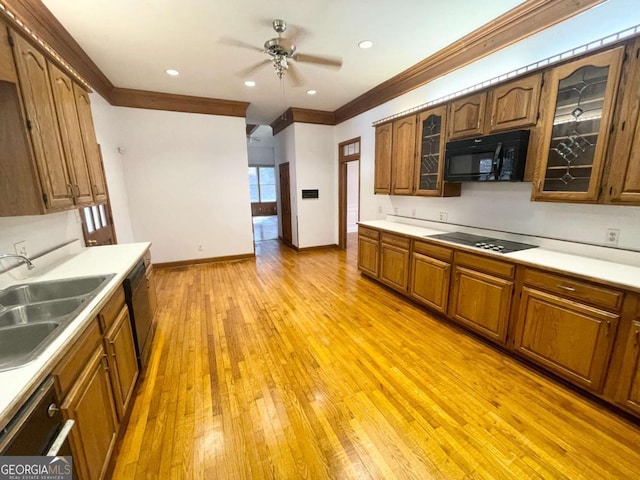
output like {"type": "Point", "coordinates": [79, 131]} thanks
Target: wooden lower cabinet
{"type": "Point", "coordinates": [368, 252]}
{"type": "Point", "coordinates": [571, 339]}
{"type": "Point", "coordinates": [122, 360]}
{"type": "Point", "coordinates": [628, 394]}
{"type": "Point", "coordinates": [90, 404]}
{"type": "Point", "coordinates": [430, 281]}
{"type": "Point", "coordinates": [481, 302]}
{"type": "Point", "coordinates": [394, 261]}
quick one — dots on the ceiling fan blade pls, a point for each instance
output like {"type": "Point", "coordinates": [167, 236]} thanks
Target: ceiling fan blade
{"type": "Point", "coordinates": [232, 42]}
{"type": "Point", "coordinates": [318, 60]}
{"type": "Point", "coordinates": [253, 68]}
{"type": "Point", "coordinates": [294, 76]}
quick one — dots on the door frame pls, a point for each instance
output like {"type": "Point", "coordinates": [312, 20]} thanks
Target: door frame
{"type": "Point", "coordinates": [343, 159]}
{"type": "Point", "coordinates": [281, 216]}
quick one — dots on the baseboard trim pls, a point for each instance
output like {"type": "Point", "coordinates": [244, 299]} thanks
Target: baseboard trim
{"type": "Point", "coordinates": [198, 261]}
{"type": "Point", "coordinates": [331, 246]}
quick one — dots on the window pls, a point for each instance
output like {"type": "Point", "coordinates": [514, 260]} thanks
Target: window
{"type": "Point", "coordinates": [95, 217]}
{"type": "Point", "coordinates": [262, 184]}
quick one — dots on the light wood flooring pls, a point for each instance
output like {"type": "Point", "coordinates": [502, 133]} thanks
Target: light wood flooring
{"type": "Point", "coordinates": [293, 366]}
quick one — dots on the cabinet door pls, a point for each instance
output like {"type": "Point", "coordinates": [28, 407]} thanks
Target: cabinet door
{"type": "Point", "coordinates": [629, 387]}
{"type": "Point", "coordinates": [515, 105]}
{"type": "Point", "coordinates": [394, 266]}
{"type": "Point", "coordinates": [624, 174]}
{"type": "Point", "coordinates": [64, 99]}
{"type": "Point", "coordinates": [481, 302]}
{"type": "Point", "coordinates": [569, 338]}
{"type": "Point", "coordinates": [430, 281]}
{"type": "Point", "coordinates": [581, 97]}
{"type": "Point", "coordinates": [123, 364]}
{"type": "Point", "coordinates": [429, 169]}
{"type": "Point", "coordinates": [403, 155]}
{"type": "Point", "coordinates": [90, 144]}
{"type": "Point", "coordinates": [41, 115]}
{"type": "Point", "coordinates": [368, 255]}
{"type": "Point", "coordinates": [466, 116]}
{"type": "Point", "coordinates": [90, 404]}
{"type": "Point", "coordinates": [383, 159]}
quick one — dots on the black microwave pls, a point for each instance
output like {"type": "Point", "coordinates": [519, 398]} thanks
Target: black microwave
{"type": "Point", "coordinates": [499, 157]}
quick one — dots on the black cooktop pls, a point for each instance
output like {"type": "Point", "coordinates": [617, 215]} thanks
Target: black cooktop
{"type": "Point", "coordinates": [486, 243]}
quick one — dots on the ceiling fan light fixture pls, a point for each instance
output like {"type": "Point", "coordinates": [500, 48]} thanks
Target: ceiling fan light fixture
{"type": "Point", "coordinates": [364, 44]}
{"type": "Point", "coordinates": [250, 83]}
{"type": "Point", "coordinates": [311, 92]}
{"type": "Point", "coordinates": [171, 72]}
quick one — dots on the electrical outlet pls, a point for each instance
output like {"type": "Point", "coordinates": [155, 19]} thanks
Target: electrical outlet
{"type": "Point", "coordinates": [413, 212]}
{"type": "Point", "coordinates": [200, 247]}
{"type": "Point", "coordinates": [443, 216]}
{"type": "Point", "coordinates": [613, 235]}
{"type": "Point", "coordinates": [21, 248]}
{"type": "Point", "coordinates": [379, 208]}
{"type": "Point", "coordinates": [395, 210]}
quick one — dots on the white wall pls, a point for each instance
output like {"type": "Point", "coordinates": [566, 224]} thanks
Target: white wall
{"type": "Point", "coordinates": [264, 156]}
{"type": "Point", "coordinates": [187, 184]}
{"type": "Point", "coordinates": [108, 134]}
{"type": "Point", "coordinates": [353, 175]}
{"type": "Point", "coordinates": [285, 151]}
{"type": "Point", "coordinates": [503, 207]}
{"type": "Point", "coordinates": [316, 169]}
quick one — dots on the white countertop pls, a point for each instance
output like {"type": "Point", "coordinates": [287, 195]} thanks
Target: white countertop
{"type": "Point", "coordinates": [69, 261]}
{"type": "Point", "coordinates": [624, 275]}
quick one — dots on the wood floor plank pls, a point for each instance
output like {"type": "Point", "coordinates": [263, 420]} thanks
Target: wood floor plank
{"type": "Point", "coordinates": [294, 366]}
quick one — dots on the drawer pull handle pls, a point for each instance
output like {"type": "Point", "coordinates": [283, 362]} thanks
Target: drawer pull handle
{"type": "Point", "coordinates": [568, 289]}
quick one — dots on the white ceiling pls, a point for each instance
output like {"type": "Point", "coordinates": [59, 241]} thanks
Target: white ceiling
{"type": "Point", "coordinates": [134, 41]}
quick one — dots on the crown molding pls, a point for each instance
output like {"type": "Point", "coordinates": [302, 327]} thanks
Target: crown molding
{"type": "Point", "coordinates": [525, 20]}
{"type": "Point", "coordinates": [302, 115]}
{"type": "Point", "coordinates": [126, 97]}
{"type": "Point", "coordinates": [38, 20]}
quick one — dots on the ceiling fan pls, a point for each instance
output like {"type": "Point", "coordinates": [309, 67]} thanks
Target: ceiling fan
{"type": "Point", "coordinates": [280, 52]}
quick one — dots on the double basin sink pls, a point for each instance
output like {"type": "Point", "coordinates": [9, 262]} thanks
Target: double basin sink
{"type": "Point", "coordinates": [33, 315]}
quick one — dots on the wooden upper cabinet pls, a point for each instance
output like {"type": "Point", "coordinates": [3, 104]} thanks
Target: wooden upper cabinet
{"type": "Point", "coordinates": [64, 99]}
{"type": "Point", "coordinates": [515, 104]}
{"type": "Point", "coordinates": [91, 149]}
{"type": "Point", "coordinates": [403, 151]}
{"type": "Point", "coordinates": [41, 116]}
{"type": "Point", "coordinates": [580, 96]}
{"type": "Point", "coordinates": [383, 159]}
{"type": "Point", "coordinates": [569, 338]}
{"type": "Point", "coordinates": [623, 185]}
{"type": "Point", "coordinates": [466, 116]}
{"type": "Point", "coordinates": [430, 147]}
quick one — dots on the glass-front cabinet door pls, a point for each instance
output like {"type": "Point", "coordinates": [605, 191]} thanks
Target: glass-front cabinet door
{"type": "Point", "coordinates": [578, 119]}
{"type": "Point", "coordinates": [430, 145]}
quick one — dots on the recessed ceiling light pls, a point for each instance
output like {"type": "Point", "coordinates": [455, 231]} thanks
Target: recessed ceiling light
{"type": "Point", "coordinates": [311, 92]}
{"type": "Point", "coordinates": [250, 83]}
{"type": "Point", "coordinates": [171, 72]}
{"type": "Point", "coordinates": [365, 44]}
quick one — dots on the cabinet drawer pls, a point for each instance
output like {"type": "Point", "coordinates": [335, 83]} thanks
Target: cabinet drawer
{"type": "Point", "coordinates": [368, 232]}
{"type": "Point", "coordinates": [110, 311]}
{"type": "Point", "coordinates": [570, 288]}
{"type": "Point", "coordinates": [488, 265]}
{"type": "Point", "coordinates": [435, 251]}
{"type": "Point", "coordinates": [395, 240]}
{"type": "Point", "coordinates": [68, 369]}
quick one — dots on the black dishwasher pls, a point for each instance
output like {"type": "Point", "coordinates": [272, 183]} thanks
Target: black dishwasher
{"type": "Point", "coordinates": [38, 428]}
{"type": "Point", "coordinates": [137, 297]}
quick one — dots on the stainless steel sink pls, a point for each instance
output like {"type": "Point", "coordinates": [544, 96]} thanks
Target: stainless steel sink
{"type": "Point", "coordinates": [32, 315]}
{"type": "Point", "coordinates": [39, 312]}
{"type": "Point", "coordinates": [53, 290]}
{"type": "Point", "coordinates": [18, 343]}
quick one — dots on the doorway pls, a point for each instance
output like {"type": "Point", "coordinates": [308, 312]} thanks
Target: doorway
{"type": "Point", "coordinates": [262, 182]}
{"type": "Point", "coordinates": [285, 203]}
{"type": "Point", "coordinates": [348, 191]}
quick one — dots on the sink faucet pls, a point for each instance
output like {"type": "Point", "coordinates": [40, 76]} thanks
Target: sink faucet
{"type": "Point", "coordinates": [22, 258]}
